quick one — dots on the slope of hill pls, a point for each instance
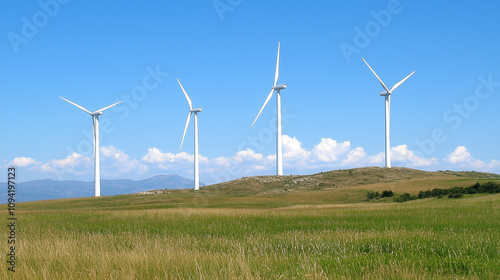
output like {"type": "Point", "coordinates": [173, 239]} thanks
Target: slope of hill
{"type": "Point", "coordinates": [327, 188]}
{"type": "Point", "coordinates": [267, 185]}
{"type": "Point", "coordinates": [51, 189]}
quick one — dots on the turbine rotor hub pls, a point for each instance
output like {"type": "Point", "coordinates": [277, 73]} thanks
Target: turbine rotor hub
{"type": "Point", "coordinates": [279, 87]}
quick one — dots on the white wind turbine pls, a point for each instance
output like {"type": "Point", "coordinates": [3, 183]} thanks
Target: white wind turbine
{"type": "Point", "coordinates": [191, 111]}
{"type": "Point", "coordinates": [95, 119]}
{"type": "Point", "coordinates": [387, 95]}
{"type": "Point", "coordinates": [277, 88]}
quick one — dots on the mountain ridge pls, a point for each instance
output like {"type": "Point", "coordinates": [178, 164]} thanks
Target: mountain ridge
{"type": "Point", "coordinates": [46, 189]}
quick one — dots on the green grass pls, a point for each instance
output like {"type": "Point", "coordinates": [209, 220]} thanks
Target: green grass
{"type": "Point", "coordinates": [424, 239]}
{"type": "Point", "coordinates": [320, 227]}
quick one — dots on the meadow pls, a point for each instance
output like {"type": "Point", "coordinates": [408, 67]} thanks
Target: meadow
{"type": "Point", "coordinates": [424, 239]}
{"type": "Point", "coordinates": [262, 233]}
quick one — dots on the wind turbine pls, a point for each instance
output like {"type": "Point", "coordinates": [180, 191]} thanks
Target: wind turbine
{"type": "Point", "coordinates": [95, 119]}
{"type": "Point", "coordinates": [387, 95]}
{"type": "Point", "coordinates": [277, 88]}
{"type": "Point", "coordinates": [191, 111]}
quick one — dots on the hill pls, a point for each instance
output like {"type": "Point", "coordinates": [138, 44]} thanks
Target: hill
{"type": "Point", "coordinates": [333, 187]}
{"type": "Point", "coordinates": [369, 177]}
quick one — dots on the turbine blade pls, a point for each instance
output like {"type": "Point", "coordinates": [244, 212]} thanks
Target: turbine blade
{"type": "Point", "coordinates": [402, 81]}
{"type": "Point", "coordinates": [185, 129]}
{"type": "Point", "coordinates": [277, 73]}
{"type": "Point", "coordinates": [105, 108]}
{"type": "Point", "coordinates": [380, 80]}
{"type": "Point", "coordinates": [187, 97]}
{"type": "Point", "coordinates": [265, 103]}
{"type": "Point", "coordinates": [76, 105]}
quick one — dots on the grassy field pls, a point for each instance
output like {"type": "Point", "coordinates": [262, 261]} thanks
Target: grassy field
{"type": "Point", "coordinates": [330, 233]}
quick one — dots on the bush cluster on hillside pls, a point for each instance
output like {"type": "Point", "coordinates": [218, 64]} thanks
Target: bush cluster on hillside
{"type": "Point", "coordinates": [377, 195]}
{"type": "Point", "coordinates": [405, 197]}
{"type": "Point", "coordinates": [455, 192]}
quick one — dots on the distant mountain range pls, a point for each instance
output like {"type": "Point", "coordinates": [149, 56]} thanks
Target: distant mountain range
{"type": "Point", "coordinates": [51, 189]}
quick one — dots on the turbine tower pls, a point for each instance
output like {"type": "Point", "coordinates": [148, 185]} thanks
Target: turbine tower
{"type": "Point", "coordinates": [277, 89]}
{"type": "Point", "coordinates": [387, 93]}
{"type": "Point", "coordinates": [95, 120]}
{"type": "Point", "coordinates": [195, 112]}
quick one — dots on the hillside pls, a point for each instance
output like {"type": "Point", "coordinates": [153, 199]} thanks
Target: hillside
{"type": "Point", "coordinates": [366, 176]}
{"type": "Point", "coordinates": [333, 187]}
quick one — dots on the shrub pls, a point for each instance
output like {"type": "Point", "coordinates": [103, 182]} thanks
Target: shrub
{"type": "Point", "coordinates": [371, 195]}
{"type": "Point", "coordinates": [425, 194]}
{"type": "Point", "coordinates": [398, 199]}
{"type": "Point", "coordinates": [406, 196]}
{"type": "Point", "coordinates": [438, 192]}
{"type": "Point", "coordinates": [387, 194]}
{"type": "Point", "coordinates": [455, 195]}
{"type": "Point", "coordinates": [457, 190]}
{"type": "Point", "coordinates": [474, 188]}
{"type": "Point", "coordinates": [490, 187]}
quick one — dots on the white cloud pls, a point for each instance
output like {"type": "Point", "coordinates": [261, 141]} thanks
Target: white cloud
{"type": "Point", "coordinates": [154, 155]}
{"type": "Point", "coordinates": [462, 158]}
{"type": "Point", "coordinates": [401, 153]}
{"type": "Point", "coordinates": [73, 164]}
{"type": "Point", "coordinates": [329, 150]}
{"type": "Point", "coordinates": [23, 162]}
{"type": "Point", "coordinates": [355, 156]}
{"type": "Point", "coordinates": [292, 149]}
{"type": "Point", "coordinates": [115, 161]}
{"type": "Point", "coordinates": [375, 159]}
{"type": "Point", "coordinates": [245, 156]}
{"type": "Point", "coordinates": [460, 155]}
{"type": "Point", "coordinates": [326, 155]}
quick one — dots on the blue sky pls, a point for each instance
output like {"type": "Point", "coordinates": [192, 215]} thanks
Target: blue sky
{"type": "Point", "coordinates": [224, 52]}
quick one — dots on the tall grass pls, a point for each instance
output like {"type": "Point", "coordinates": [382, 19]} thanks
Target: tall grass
{"type": "Point", "coordinates": [425, 239]}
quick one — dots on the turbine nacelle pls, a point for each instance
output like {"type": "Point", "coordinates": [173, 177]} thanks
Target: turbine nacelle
{"type": "Point", "coordinates": [98, 113]}
{"type": "Point", "coordinates": [385, 93]}
{"type": "Point", "coordinates": [279, 87]}
{"type": "Point", "coordinates": [196, 110]}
